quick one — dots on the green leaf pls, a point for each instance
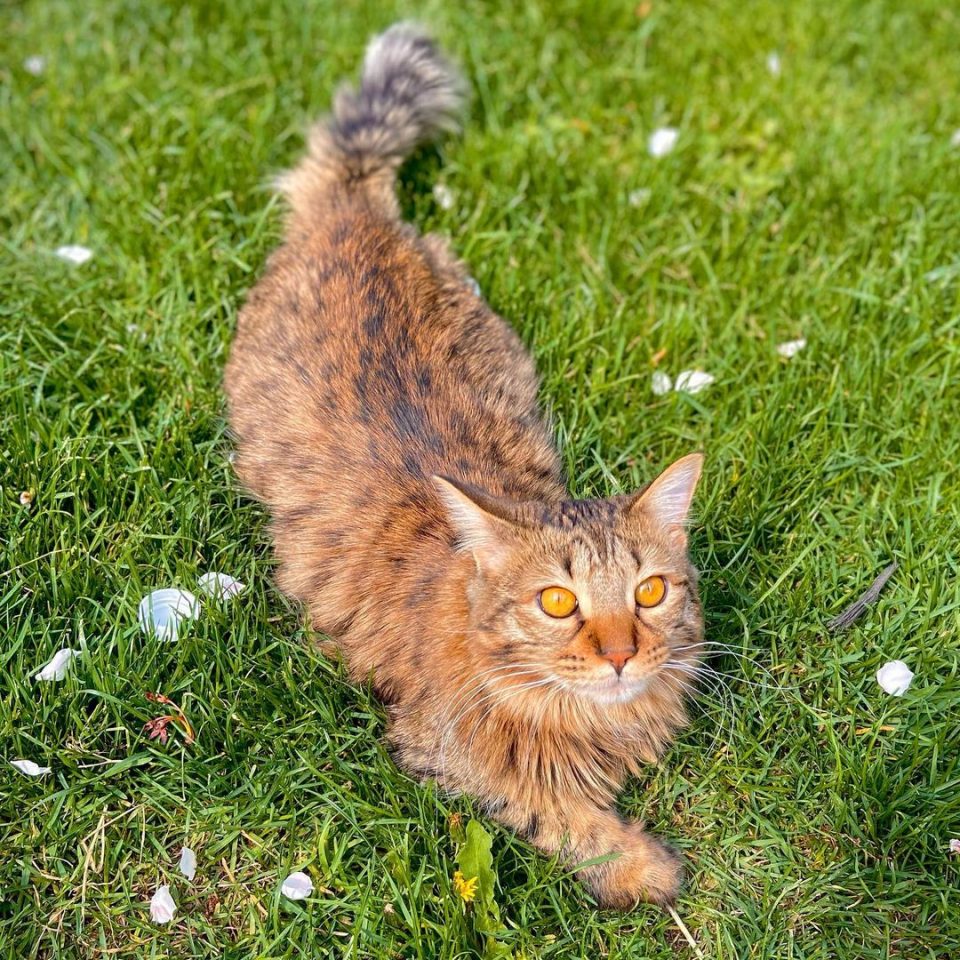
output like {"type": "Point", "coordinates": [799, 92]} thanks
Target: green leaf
{"type": "Point", "coordinates": [476, 860]}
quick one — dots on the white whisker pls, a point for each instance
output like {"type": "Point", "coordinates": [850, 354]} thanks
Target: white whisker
{"type": "Point", "coordinates": [726, 649]}
{"type": "Point", "coordinates": [724, 708]}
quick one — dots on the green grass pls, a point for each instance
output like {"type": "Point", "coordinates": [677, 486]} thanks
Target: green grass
{"type": "Point", "coordinates": [813, 809]}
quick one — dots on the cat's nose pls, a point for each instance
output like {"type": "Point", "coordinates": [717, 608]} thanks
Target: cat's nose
{"type": "Point", "coordinates": [618, 658]}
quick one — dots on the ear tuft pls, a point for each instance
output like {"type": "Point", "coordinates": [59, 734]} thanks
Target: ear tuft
{"type": "Point", "coordinates": [479, 520]}
{"type": "Point", "coordinates": [667, 500]}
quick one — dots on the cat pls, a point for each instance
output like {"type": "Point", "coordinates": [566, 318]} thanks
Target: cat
{"type": "Point", "coordinates": [532, 650]}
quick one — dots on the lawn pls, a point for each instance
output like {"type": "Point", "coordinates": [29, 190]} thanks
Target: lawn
{"type": "Point", "coordinates": [820, 201]}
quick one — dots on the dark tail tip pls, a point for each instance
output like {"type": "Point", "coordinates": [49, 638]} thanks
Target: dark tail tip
{"type": "Point", "coordinates": [409, 93]}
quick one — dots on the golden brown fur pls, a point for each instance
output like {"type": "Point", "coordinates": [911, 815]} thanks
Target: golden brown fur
{"type": "Point", "coordinates": [364, 370]}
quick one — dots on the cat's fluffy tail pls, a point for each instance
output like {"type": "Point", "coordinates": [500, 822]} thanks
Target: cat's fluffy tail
{"type": "Point", "coordinates": [409, 93]}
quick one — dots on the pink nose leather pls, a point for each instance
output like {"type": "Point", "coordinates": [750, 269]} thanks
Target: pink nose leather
{"type": "Point", "coordinates": [618, 658]}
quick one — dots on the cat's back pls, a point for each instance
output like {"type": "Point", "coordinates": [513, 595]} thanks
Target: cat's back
{"type": "Point", "coordinates": [359, 356]}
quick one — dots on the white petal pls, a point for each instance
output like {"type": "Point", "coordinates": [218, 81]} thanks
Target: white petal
{"type": "Point", "coordinates": [955, 846]}
{"type": "Point", "coordinates": [895, 677]}
{"type": "Point", "coordinates": [160, 612]}
{"type": "Point", "coordinates": [637, 198]}
{"type": "Point", "coordinates": [162, 907]}
{"type": "Point", "coordinates": [791, 348]}
{"type": "Point", "coordinates": [188, 863]}
{"type": "Point", "coordinates": [662, 141]}
{"type": "Point", "coordinates": [661, 383]}
{"type": "Point", "coordinates": [774, 66]}
{"type": "Point", "coordinates": [35, 65]}
{"type": "Point", "coordinates": [955, 139]}
{"type": "Point", "coordinates": [298, 886]}
{"type": "Point", "coordinates": [74, 254]}
{"type": "Point", "coordinates": [443, 195]}
{"type": "Point", "coordinates": [220, 586]}
{"type": "Point", "coordinates": [692, 381]}
{"type": "Point", "coordinates": [57, 668]}
{"type": "Point", "coordinates": [29, 768]}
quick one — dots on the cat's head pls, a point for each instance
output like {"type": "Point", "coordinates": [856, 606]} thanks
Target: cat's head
{"type": "Point", "coordinates": [596, 596]}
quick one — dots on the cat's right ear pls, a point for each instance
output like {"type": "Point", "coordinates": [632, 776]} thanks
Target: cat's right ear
{"type": "Point", "coordinates": [482, 523]}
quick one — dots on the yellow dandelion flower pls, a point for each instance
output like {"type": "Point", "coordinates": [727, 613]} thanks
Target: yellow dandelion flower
{"type": "Point", "coordinates": [467, 889]}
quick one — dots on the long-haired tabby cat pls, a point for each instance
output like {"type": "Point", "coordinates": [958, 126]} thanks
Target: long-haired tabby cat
{"type": "Point", "coordinates": [532, 649]}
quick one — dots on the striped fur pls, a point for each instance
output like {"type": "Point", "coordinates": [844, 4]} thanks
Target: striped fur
{"type": "Point", "coordinates": [388, 419]}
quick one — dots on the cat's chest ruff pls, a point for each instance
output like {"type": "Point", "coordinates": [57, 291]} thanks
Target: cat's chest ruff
{"type": "Point", "coordinates": [547, 757]}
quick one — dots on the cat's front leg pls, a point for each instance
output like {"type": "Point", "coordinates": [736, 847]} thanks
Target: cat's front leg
{"type": "Point", "coordinates": [640, 868]}
{"type": "Point", "coordinates": [647, 870]}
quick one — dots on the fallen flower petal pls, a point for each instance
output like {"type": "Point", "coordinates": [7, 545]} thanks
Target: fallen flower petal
{"type": "Point", "coordinates": [637, 198]}
{"type": "Point", "coordinates": [895, 677]}
{"type": "Point", "coordinates": [443, 195]}
{"type": "Point", "coordinates": [791, 348]}
{"type": "Point", "coordinates": [188, 863]}
{"type": "Point", "coordinates": [955, 139]}
{"type": "Point", "coordinates": [29, 768]}
{"type": "Point", "coordinates": [298, 886]}
{"type": "Point", "coordinates": [692, 381]}
{"type": "Point", "coordinates": [662, 141]}
{"type": "Point", "coordinates": [74, 254]}
{"type": "Point", "coordinates": [955, 847]}
{"type": "Point", "coordinates": [57, 668]}
{"type": "Point", "coordinates": [35, 65]}
{"type": "Point", "coordinates": [220, 586]}
{"type": "Point", "coordinates": [774, 66]}
{"type": "Point", "coordinates": [661, 383]}
{"type": "Point", "coordinates": [162, 907]}
{"type": "Point", "coordinates": [26, 499]}
{"type": "Point", "coordinates": [160, 612]}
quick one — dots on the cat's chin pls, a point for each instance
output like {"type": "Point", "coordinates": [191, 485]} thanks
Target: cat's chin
{"type": "Point", "coordinates": [615, 690]}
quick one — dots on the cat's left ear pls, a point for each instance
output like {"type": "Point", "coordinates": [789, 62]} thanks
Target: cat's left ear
{"type": "Point", "coordinates": [485, 525]}
{"type": "Point", "coordinates": [667, 500]}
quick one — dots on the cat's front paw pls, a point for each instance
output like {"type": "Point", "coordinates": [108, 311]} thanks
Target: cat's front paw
{"type": "Point", "coordinates": [646, 871]}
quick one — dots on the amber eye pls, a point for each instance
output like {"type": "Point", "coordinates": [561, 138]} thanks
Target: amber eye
{"type": "Point", "coordinates": [557, 602]}
{"type": "Point", "coordinates": [651, 592]}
